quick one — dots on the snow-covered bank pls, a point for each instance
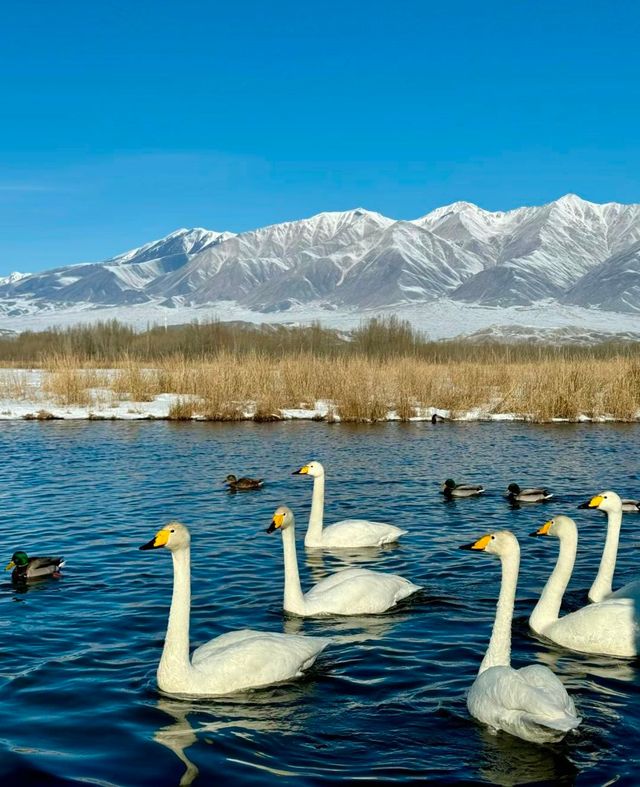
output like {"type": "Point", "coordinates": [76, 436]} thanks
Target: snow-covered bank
{"type": "Point", "coordinates": [442, 319]}
{"type": "Point", "coordinates": [23, 395]}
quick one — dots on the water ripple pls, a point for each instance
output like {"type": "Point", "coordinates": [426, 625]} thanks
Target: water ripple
{"type": "Point", "coordinates": [387, 700]}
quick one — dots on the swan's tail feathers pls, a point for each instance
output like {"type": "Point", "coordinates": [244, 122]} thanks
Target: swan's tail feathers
{"type": "Point", "coordinates": [561, 723]}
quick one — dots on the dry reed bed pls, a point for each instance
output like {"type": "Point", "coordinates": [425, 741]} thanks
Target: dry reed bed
{"type": "Point", "coordinates": [356, 388]}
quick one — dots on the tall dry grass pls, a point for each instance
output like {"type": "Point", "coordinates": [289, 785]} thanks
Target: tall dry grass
{"type": "Point", "coordinates": [359, 388]}
{"type": "Point", "coordinates": [70, 380]}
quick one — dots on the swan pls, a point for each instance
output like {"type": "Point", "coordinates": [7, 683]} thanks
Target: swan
{"type": "Point", "coordinates": [352, 591]}
{"type": "Point", "coordinates": [348, 532]}
{"type": "Point", "coordinates": [537, 494]}
{"type": "Point", "coordinates": [450, 489]}
{"type": "Point", "coordinates": [601, 588]}
{"type": "Point", "coordinates": [607, 628]}
{"type": "Point", "coordinates": [530, 703]}
{"type": "Point", "coordinates": [235, 661]}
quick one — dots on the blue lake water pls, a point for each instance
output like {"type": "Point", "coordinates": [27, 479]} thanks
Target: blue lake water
{"type": "Point", "coordinates": [387, 700]}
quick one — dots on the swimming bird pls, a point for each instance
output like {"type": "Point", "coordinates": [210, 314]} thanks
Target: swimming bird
{"type": "Point", "coordinates": [347, 533]}
{"type": "Point", "coordinates": [536, 494]}
{"type": "Point", "coordinates": [630, 506]}
{"type": "Point", "coordinates": [235, 661]}
{"type": "Point", "coordinates": [607, 628]}
{"type": "Point", "coordinates": [530, 703]}
{"type": "Point", "coordinates": [450, 489]}
{"type": "Point", "coordinates": [602, 586]}
{"type": "Point", "coordinates": [436, 418]}
{"type": "Point", "coordinates": [26, 568]}
{"type": "Point", "coordinates": [352, 591]}
{"type": "Point", "coordinates": [242, 484]}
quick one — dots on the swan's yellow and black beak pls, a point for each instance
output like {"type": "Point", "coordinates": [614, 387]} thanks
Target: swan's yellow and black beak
{"type": "Point", "coordinates": [481, 543]}
{"type": "Point", "coordinates": [10, 565]}
{"type": "Point", "coordinates": [304, 470]}
{"type": "Point", "coordinates": [159, 540]}
{"type": "Point", "coordinates": [544, 530]}
{"type": "Point", "coordinates": [593, 503]}
{"type": "Point", "coordinates": [276, 523]}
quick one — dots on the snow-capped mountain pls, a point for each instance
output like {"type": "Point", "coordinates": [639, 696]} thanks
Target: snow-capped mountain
{"type": "Point", "coordinates": [571, 251]}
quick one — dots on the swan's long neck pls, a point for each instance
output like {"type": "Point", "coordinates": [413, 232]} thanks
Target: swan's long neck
{"type": "Point", "coordinates": [499, 651]}
{"type": "Point", "coordinates": [602, 584]}
{"type": "Point", "coordinates": [174, 662]}
{"type": "Point", "coordinates": [293, 598]}
{"type": "Point", "coordinates": [548, 607]}
{"type": "Point", "coordinates": [313, 536]}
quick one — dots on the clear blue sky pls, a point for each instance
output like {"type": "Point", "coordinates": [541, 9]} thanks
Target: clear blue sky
{"type": "Point", "coordinates": [122, 121]}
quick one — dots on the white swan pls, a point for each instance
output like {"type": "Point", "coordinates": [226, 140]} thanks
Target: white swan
{"type": "Point", "coordinates": [346, 533]}
{"type": "Point", "coordinates": [233, 662]}
{"type": "Point", "coordinates": [602, 588]}
{"type": "Point", "coordinates": [353, 591]}
{"type": "Point", "coordinates": [530, 703]}
{"type": "Point", "coordinates": [608, 628]}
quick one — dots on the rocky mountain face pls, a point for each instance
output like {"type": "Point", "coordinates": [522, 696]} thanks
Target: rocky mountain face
{"type": "Point", "coordinates": [570, 250]}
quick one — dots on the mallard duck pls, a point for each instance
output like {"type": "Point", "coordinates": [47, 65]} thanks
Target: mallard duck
{"type": "Point", "coordinates": [26, 568]}
{"type": "Point", "coordinates": [531, 702]}
{"type": "Point", "coordinates": [630, 506]}
{"type": "Point", "coordinates": [352, 591]}
{"type": "Point", "coordinates": [536, 494]}
{"type": "Point", "coordinates": [234, 661]}
{"type": "Point", "coordinates": [347, 533]}
{"type": "Point", "coordinates": [244, 483]}
{"type": "Point", "coordinates": [451, 489]}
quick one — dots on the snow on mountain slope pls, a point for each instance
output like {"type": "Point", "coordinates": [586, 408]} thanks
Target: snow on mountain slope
{"type": "Point", "coordinates": [614, 285]}
{"type": "Point", "coordinates": [408, 263]}
{"type": "Point", "coordinates": [234, 268]}
{"type": "Point", "coordinates": [120, 279]}
{"type": "Point", "coordinates": [568, 251]}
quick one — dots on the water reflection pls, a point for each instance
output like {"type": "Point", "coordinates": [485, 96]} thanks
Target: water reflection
{"type": "Point", "coordinates": [322, 562]}
{"type": "Point", "coordinates": [509, 761]}
{"type": "Point", "coordinates": [268, 711]}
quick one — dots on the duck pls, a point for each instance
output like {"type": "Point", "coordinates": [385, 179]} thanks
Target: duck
{"type": "Point", "coordinates": [436, 418]}
{"type": "Point", "coordinates": [606, 628]}
{"type": "Point", "coordinates": [450, 489]}
{"type": "Point", "coordinates": [630, 506]}
{"type": "Point", "coordinates": [235, 661]}
{"type": "Point", "coordinates": [346, 534]}
{"type": "Point", "coordinates": [602, 587]}
{"type": "Point", "coordinates": [352, 591]}
{"type": "Point", "coordinates": [243, 484]}
{"type": "Point", "coordinates": [26, 568]}
{"type": "Point", "coordinates": [530, 703]}
{"type": "Point", "coordinates": [536, 494]}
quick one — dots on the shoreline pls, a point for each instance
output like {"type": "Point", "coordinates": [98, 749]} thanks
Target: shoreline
{"type": "Point", "coordinates": [141, 393]}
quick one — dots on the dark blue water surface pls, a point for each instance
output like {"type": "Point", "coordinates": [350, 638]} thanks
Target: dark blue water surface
{"type": "Point", "coordinates": [387, 700]}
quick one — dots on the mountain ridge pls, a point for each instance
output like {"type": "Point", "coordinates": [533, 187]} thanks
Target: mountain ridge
{"type": "Point", "coordinates": [569, 250]}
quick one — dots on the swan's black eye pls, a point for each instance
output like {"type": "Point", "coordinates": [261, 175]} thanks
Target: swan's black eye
{"type": "Point", "coordinates": [493, 538]}
{"type": "Point", "coordinates": [172, 531]}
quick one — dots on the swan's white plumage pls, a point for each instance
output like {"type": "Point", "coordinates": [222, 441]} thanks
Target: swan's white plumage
{"type": "Point", "coordinates": [607, 628]}
{"type": "Point", "coordinates": [602, 587]}
{"type": "Point", "coordinates": [530, 703]}
{"type": "Point", "coordinates": [347, 533]}
{"type": "Point", "coordinates": [236, 661]}
{"type": "Point", "coordinates": [352, 591]}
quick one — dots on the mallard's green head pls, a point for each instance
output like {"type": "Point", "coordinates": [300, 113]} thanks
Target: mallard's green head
{"type": "Point", "coordinates": [18, 559]}
{"type": "Point", "coordinates": [450, 484]}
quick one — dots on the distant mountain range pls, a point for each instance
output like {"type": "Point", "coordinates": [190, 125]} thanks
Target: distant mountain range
{"type": "Point", "coordinates": [570, 251]}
